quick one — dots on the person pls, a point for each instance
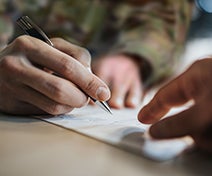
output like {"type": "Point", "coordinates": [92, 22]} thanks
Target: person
{"type": "Point", "coordinates": [192, 85]}
{"type": "Point", "coordinates": [134, 44]}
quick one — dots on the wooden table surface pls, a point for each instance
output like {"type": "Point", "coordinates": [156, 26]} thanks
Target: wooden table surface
{"type": "Point", "coordinates": [30, 147]}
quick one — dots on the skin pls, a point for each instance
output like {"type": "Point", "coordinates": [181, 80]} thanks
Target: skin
{"type": "Point", "coordinates": [122, 75]}
{"type": "Point", "coordinates": [29, 81]}
{"type": "Point", "coordinates": [194, 84]}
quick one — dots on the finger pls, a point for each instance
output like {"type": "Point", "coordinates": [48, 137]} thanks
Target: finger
{"type": "Point", "coordinates": [69, 68]}
{"type": "Point", "coordinates": [134, 94]}
{"type": "Point", "coordinates": [17, 107]}
{"type": "Point", "coordinates": [77, 52]}
{"type": "Point", "coordinates": [185, 123]}
{"type": "Point", "coordinates": [119, 88]}
{"type": "Point", "coordinates": [103, 72]}
{"type": "Point", "coordinates": [55, 88]}
{"type": "Point", "coordinates": [10, 104]}
{"type": "Point", "coordinates": [175, 93]}
{"type": "Point", "coordinates": [14, 102]}
{"type": "Point", "coordinates": [91, 102]}
{"type": "Point", "coordinates": [36, 99]}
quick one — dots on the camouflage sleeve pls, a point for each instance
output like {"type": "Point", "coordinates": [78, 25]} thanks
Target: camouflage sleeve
{"type": "Point", "coordinates": [155, 34]}
{"type": "Point", "coordinates": [6, 26]}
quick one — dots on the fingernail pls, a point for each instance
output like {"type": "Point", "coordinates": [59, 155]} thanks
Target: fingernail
{"type": "Point", "coordinates": [135, 101]}
{"type": "Point", "coordinates": [103, 93]}
{"type": "Point", "coordinates": [141, 117]}
{"type": "Point", "coordinates": [119, 102]}
{"type": "Point", "coordinates": [144, 119]}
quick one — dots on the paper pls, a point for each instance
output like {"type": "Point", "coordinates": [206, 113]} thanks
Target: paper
{"type": "Point", "coordinates": [121, 129]}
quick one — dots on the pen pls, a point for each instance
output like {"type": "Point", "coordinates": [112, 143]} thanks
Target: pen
{"type": "Point", "coordinates": [30, 28]}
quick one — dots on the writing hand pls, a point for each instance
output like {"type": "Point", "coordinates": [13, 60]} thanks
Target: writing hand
{"type": "Point", "coordinates": [26, 89]}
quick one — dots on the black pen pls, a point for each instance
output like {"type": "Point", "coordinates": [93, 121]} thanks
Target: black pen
{"type": "Point", "coordinates": [30, 28]}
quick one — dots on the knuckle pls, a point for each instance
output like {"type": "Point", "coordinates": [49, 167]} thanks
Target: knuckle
{"type": "Point", "coordinates": [11, 64]}
{"type": "Point", "coordinates": [80, 53]}
{"type": "Point", "coordinates": [6, 63]}
{"type": "Point", "coordinates": [81, 102]}
{"type": "Point", "coordinates": [67, 67]}
{"type": "Point", "coordinates": [84, 55]}
{"type": "Point", "coordinates": [57, 39]}
{"type": "Point", "coordinates": [58, 42]}
{"type": "Point", "coordinates": [22, 43]}
{"type": "Point", "coordinates": [56, 88]}
{"type": "Point", "coordinates": [91, 85]}
{"type": "Point", "coordinates": [55, 109]}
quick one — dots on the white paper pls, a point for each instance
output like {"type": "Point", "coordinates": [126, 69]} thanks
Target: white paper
{"type": "Point", "coordinates": [121, 129]}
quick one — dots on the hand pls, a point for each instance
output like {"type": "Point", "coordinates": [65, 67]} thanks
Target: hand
{"type": "Point", "coordinates": [121, 74]}
{"type": "Point", "coordinates": [195, 84]}
{"type": "Point", "coordinates": [26, 89]}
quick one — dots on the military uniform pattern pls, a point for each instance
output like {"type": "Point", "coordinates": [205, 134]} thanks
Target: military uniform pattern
{"type": "Point", "coordinates": [151, 31]}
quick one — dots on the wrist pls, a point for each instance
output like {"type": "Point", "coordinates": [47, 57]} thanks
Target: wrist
{"type": "Point", "coordinates": [145, 67]}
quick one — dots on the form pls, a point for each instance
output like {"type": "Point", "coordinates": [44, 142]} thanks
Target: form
{"type": "Point", "coordinates": [122, 129]}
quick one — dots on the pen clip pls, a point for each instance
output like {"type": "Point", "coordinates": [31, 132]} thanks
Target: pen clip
{"type": "Point", "coordinates": [32, 29]}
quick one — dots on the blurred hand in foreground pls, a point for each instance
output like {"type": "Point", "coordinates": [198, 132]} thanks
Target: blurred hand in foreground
{"type": "Point", "coordinates": [122, 74]}
{"type": "Point", "coordinates": [194, 84]}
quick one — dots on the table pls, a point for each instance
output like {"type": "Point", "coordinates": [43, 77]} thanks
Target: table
{"type": "Point", "coordinates": [31, 147]}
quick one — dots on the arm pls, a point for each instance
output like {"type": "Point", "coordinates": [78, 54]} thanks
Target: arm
{"type": "Point", "coordinates": [150, 40]}
{"type": "Point", "coordinates": [156, 34]}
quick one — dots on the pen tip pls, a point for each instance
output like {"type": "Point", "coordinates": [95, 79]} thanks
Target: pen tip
{"type": "Point", "coordinates": [108, 108]}
{"type": "Point", "coordinates": [104, 106]}
{"type": "Point", "coordinates": [110, 112]}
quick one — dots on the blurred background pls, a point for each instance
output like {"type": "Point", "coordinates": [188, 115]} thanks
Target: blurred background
{"type": "Point", "coordinates": [199, 38]}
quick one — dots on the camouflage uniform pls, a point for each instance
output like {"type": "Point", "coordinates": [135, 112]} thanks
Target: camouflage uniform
{"type": "Point", "coordinates": [151, 31]}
